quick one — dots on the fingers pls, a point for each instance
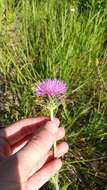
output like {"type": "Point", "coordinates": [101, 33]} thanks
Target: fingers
{"type": "Point", "coordinates": [5, 149]}
{"type": "Point", "coordinates": [22, 128]}
{"type": "Point", "coordinates": [29, 156]}
{"type": "Point", "coordinates": [44, 174]}
{"type": "Point", "coordinates": [19, 145]}
{"type": "Point", "coordinates": [62, 148]}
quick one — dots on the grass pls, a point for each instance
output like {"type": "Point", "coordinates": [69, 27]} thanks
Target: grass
{"type": "Point", "coordinates": [45, 39]}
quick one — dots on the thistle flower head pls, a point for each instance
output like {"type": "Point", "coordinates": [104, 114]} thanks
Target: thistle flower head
{"type": "Point", "coordinates": [50, 88]}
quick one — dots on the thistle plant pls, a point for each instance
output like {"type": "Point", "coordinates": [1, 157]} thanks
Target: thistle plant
{"type": "Point", "coordinates": [52, 90]}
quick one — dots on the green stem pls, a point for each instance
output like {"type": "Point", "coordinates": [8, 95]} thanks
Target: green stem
{"type": "Point", "coordinates": [51, 114]}
{"type": "Point", "coordinates": [56, 176]}
{"type": "Point", "coordinates": [56, 181]}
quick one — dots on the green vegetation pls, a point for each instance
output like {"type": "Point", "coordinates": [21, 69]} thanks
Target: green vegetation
{"type": "Point", "coordinates": [42, 39]}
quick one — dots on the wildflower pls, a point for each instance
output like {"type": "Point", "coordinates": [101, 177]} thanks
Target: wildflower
{"type": "Point", "coordinates": [50, 88]}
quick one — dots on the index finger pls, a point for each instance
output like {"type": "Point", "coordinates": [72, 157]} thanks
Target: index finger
{"type": "Point", "coordinates": [20, 129]}
{"type": "Point", "coordinates": [29, 156]}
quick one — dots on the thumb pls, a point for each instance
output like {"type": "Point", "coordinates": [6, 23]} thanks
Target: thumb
{"type": "Point", "coordinates": [41, 142]}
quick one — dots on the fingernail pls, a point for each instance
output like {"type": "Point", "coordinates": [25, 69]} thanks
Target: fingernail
{"type": "Point", "coordinates": [63, 149]}
{"type": "Point", "coordinates": [52, 126]}
{"type": "Point", "coordinates": [66, 147]}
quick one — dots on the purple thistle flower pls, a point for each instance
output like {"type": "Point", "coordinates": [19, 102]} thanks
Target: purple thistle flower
{"type": "Point", "coordinates": [50, 88]}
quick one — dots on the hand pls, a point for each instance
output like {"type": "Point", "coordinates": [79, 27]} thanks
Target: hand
{"type": "Point", "coordinates": [26, 159]}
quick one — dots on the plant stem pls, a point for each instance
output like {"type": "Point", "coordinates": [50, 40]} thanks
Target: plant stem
{"type": "Point", "coordinates": [55, 149]}
{"type": "Point", "coordinates": [54, 146]}
{"type": "Point", "coordinates": [52, 116]}
{"type": "Point", "coordinates": [56, 181]}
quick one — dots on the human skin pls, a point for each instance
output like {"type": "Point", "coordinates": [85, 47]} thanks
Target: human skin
{"type": "Point", "coordinates": [26, 159]}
